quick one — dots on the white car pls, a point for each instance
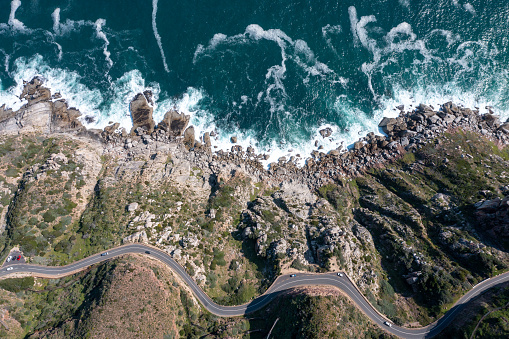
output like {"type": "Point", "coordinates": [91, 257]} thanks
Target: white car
{"type": "Point", "coordinates": [386, 323]}
{"type": "Point", "coordinates": [9, 268]}
{"type": "Point", "coordinates": [9, 258]}
{"type": "Point", "coordinates": [340, 274]}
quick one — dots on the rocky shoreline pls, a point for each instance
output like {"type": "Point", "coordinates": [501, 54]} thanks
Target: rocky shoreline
{"type": "Point", "coordinates": [413, 128]}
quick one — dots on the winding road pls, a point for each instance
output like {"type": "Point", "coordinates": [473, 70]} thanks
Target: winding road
{"type": "Point", "coordinates": [281, 284]}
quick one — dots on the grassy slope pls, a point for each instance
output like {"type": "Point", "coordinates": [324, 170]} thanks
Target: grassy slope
{"type": "Point", "coordinates": [494, 305]}
{"type": "Point", "coordinates": [421, 215]}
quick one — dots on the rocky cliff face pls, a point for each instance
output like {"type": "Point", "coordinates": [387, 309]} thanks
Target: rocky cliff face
{"type": "Point", "coordinates": [398, 213]}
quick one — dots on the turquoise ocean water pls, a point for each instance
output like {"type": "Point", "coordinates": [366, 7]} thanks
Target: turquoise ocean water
{"type": "Point", "coordinates": [271, 72]}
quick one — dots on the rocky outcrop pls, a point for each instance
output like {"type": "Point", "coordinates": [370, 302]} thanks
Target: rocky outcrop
{"type": "Point", "coordinates": [5, 113]}
{"type": "Point", "coordinates": [64, 119]}
{"type": "Point", "coordinates": [174, 123]}
{"type": "Point", "coordinates": [189, 140]}
{"type": "Point", "coordinates": [493, 217]}
{"type": "Point", "coordinates": [40, 114]}
{"type": "Point", "coordinates": [141, 113]}
{"type": "Point", "coordinates": [136, 237]}
{"type": "Point", "coordinates": [34, 92]}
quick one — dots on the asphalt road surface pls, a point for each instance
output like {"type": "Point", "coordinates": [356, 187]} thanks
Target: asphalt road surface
{"type": "Point", "coordinates": [280, 284]}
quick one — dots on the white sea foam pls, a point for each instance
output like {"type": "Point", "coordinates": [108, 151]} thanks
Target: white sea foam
{"type": "Point", "coordinates": [157, 36]}
{"type": "Point", "coordinates": [13, 22]}
{"type": "Point", "coordinates": [469, 8]}
{"type": "Point", "coordinates": [352, 13]}
{"type": "Point", "coordinates": [326, 32]}
{"type": "Point", "coordinates": [69, 26]}
{"type": "Point", "coordinates": [60, 52]}
{"type": "Point", "coordinates": [404, 3]}
{"type": "Point", "coordinates": [56, 20]}
{"type": "Point", "coordinates": [101, 35]}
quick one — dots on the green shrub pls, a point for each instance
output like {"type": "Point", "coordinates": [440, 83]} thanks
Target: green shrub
{"type": "Point", "coordinates": [17, 284]}
{"type": "Point", "coordinates": [49, 216]}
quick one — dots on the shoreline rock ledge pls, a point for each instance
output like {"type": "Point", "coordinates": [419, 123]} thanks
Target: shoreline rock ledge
{"type": "Point", "coordinates": [47, 113]}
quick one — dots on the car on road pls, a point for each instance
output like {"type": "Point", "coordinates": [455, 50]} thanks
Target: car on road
{"type": "Point", "coordinates": [9, 268]}
{"type": "Point", "coordinates": [148, 252]}
{"type": "Point", "coordinates": [104, 254]}
{"type": "Point", "coordinates": [292, 275]}
{"type": "Point", "coordinates": [340, 274]}
{"type": "Point", "coordinates": [386, 323]}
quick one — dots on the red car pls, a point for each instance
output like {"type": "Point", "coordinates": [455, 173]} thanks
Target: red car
{"type": "Point", "coordinates": [19, 257]}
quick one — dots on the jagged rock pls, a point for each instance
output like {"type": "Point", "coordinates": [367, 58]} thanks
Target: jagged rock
{"type": "Point", "coordinates": [136, 237]}
{"type": "Point", "coordinates": [233, 140]}
{"type": "Point", "coordinates": [450, 108]}
{"type": "Point", "coordinates": [387, 124]}
{"type": "Point", "coordinates": [358, 145]}
{"type": "Point", "coordinates": [488, 204]}
{"type": "Point", "coordinates": [141, 113]}
{"type": "Point", "coordinates": [492, 120]}
{"type": "Point", "coordinates": [326, 132]}
{"type": "Point", "coordinates": [174, 123]}
{"type": "Point", "coordinates": [206, 140]}
{"type": "Point", "coordinates": [64, 118]}
{"type": "Point", "coordinates": [33, 92]}
{"type": "Point", "coordinates": [505, 128]}
{"type": "Point", "coordinates": [189, 140]}
{"type": "Point", "coordinates": [132, 207]}
{"type": "Point", "coordinates": [111, 128]}
{"type": "Point", "coordinates": [5, 113]}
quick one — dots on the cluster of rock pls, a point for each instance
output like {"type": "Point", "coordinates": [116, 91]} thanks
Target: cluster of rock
{"type": "Point", "coordinates": [408, 131]}
{"type": "Point", "coordinates": [294, 225]}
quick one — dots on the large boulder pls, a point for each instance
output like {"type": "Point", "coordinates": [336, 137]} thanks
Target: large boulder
{"type": "Point", "coordinates": [189, 140]}
{"type": "Point", "coordinates": [505, 128]}
{"type": "Point", "coordinates": [387, 125]}
{"type": "Point", "coordinates": [206, 140]}
{"type": "Point", "coordinates": [141, 113]}
{"type": "Point", "coordinates": [174, 123]}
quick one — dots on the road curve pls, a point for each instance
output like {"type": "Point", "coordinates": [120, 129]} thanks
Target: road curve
{"type": "Point", "coordinates": [281, 284]}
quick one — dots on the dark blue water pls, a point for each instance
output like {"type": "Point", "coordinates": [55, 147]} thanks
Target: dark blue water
{"type": "Point", "coordinates": [271, 72]}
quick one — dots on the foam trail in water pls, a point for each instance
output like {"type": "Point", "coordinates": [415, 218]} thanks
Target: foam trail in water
{"type": "Point", "coordinates": [13, 22]}
{"type": "Point", "coordinates": [404, 3]}
{"type": "Point", "coordinates": [100, 34]}
{"type": "Point", "coordinates": [59, 51]}
{"type": "Point", "coordinates": [157, 36]}
{"type": "Point", "coordinates": [328, 30]}
{"type": "Point", "coordinates": [469, 8]}
{"type": "Point", "coordinates": [352, 13]}
{"type": "Point", "coordinates": [56, 20]}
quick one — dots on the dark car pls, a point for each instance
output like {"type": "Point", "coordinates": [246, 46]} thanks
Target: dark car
{"type": "Point", "coordinates": [148, 252]}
